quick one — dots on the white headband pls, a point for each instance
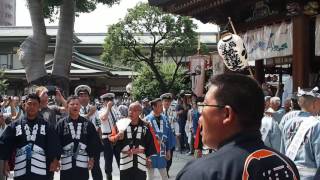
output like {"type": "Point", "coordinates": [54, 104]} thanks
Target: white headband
{"type": "Point", "coordinates": [313, 92]}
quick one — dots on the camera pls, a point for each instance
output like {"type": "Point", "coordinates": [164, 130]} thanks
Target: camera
{"type": "Point", "coordinates": [51, 90]}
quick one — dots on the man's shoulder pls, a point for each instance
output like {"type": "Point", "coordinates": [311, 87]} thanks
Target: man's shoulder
{"type": "Point", "coordinates": [249, 161]}
{"type": "Point", "coordinates": [63, 120]}
{"type": "Point", "coordinates": [198, 169]}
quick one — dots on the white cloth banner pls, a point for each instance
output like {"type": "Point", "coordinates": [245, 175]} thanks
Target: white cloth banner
{"type": "Point", "coordinates": [269, 41]}
{"type": "Point", "coordinates": [217, 64]}
{"type": "Point", "coordinates": [197, 70]}
{"type": "Point", "coordinates": [317, 39]}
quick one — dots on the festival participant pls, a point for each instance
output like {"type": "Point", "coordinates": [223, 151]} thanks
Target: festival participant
{"type": "Point", "coordinates": [50, 113]}
{"type": "Point", "coordinates": [270, 131]}
{"type": "Point", "coordinates": [165, 138]}
{"type": "Point", "coordinates": [231, 118]}
{"type": "Point", "coordinates": [136, 144]}
{"type": "Point", "coordinates": [301, 136]}
{"type": "Point", "coordinates": [34, 142]}
{"type": "Point", "coordinates": [90, 112]}
{"type": "Point", "coordinates": [80, 142]}
{"type": "Point", "coordinates": [108, 116]}
{"type": "Point", "coordinates": [170, 113]}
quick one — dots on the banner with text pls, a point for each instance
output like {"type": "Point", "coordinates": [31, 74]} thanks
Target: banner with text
{"type": "Point", "coordinates": [197, 72]}
{"type": "Point", "coordinates": [269, 41]}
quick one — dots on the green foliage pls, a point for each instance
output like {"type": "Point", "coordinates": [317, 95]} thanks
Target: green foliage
{"type": "Point", "coordinates": [3, 83]}
{"type": "Point", "coordinates": [145, 85]}
{"type": "Point", "coordinates": [51, 7]}
{"type": "Point", "coordinates": [146, 35]}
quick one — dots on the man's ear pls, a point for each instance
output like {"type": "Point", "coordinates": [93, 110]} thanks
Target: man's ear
{"type": "Point", "coordinates": [229, 115]}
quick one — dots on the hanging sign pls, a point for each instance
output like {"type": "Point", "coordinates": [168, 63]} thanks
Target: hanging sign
{"type": "Point", "coordinates": [269, 41]}
{"type": "Point", "coordinates": [197, 72]}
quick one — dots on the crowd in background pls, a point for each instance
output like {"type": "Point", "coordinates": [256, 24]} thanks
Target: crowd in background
{"type": "Point", "coordinates": [179, 111]}
{"type": "Point", "coordinates": [280, 126]}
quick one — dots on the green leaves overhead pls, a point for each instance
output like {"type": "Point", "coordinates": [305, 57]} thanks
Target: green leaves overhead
{"type": "Point", "coordinates": [145, 85]}
{"type": "Point", "coordinates": [146, 32]}
{"type": "Point", "coordinates": [151, 37]}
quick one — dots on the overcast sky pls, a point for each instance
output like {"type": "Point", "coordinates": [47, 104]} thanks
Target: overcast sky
{"type": "Point", "coordinates": [98, 20]}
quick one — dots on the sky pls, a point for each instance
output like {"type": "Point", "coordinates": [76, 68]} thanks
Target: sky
{"type": "Point", "coordinates": [98, 20]}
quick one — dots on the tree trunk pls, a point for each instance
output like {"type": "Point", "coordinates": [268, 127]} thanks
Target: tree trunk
{"type": "Point", "coordinates": [33, 49]}
{"type": "Point", "coordinates": [64, 45]}
{"type": "Point", "coordinates": [163, 86]}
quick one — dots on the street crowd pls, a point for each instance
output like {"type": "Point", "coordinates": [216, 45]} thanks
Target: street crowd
{"type": "Point", "coordinates": [238, 132]}
{"type": "Point", "coordinates": [41, 134]}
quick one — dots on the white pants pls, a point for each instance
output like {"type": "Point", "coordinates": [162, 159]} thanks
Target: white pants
{"type": "Point", "coordinates": [162, 171]}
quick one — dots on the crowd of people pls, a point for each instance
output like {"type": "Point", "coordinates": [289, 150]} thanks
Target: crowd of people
{"type": "Point", "coordinates": [73, 132]}
{"type": "Point", "coordinates": [239, 131]}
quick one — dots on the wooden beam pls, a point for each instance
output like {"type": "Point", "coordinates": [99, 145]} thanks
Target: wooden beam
{"type": "Point", "coordinates": [301, 54]}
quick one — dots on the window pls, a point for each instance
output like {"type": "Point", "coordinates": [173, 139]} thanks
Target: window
{"type": "Point", "coordinates": [4, 62]}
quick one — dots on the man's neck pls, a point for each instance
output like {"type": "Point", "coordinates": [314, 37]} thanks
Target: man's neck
{"type": "Point", "coordinates": [84, 104]}
{"type": "Point", "coordinates": [74, 117]}
{"type": "Point", "coordinates": [156, 114]}
{"type": "Point", "coordinates": [31, 117]}
{"type": "Point", "coordinates": [43, 105]}
{"type": "Point", "coordinates": [135, 122]}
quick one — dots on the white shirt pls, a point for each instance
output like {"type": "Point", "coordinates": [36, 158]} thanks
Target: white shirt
{"type": "Point", "coordinates": [93, 118]}
{"type": "Point", "coordinates": [108, 122]}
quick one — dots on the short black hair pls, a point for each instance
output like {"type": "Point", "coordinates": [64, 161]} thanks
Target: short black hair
{"type": "Point", "coordinates": [33, 96]}
{"type": "Point", "coordinates": [70, 98]}
{"type": "Point", "coordinates": [243, 94]}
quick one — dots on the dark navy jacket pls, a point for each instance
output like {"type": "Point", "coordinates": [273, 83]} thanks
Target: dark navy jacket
{"type": "Point", "coordinates": [242, 157]}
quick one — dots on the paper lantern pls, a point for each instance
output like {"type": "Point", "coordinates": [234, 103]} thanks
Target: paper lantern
{"type": "Point", "coordinates": [233, 52]}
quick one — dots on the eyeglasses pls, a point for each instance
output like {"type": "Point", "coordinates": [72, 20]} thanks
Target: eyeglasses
{"type": "Point", "coordinates": [202, 105]}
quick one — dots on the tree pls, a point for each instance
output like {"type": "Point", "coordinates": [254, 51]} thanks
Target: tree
{"type": "Point", "coordinates": [3, 83]}
{"type": "Point", "coordinates": [33, 50]}
{"type": "Point", "coordinates": [171, 36]}
{"type": "Point", "coordinates": [145, 84]}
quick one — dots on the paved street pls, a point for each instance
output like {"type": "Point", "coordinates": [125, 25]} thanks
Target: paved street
{"type": "Point", "coordinates": [179, 160]}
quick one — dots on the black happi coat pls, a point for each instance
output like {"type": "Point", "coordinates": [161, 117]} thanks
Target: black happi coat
{"type": "Point", "coordinates": [33, 157]}
{"type": "Point", "coordinates": [134, 137]}
{"type": "Point", "coordinates": [76, 152]}
{"type": "Point", "coordinates": [242, 157]}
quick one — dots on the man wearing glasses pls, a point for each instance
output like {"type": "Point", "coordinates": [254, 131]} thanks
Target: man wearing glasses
{"type": "Point", "coordinates": [231, 118]}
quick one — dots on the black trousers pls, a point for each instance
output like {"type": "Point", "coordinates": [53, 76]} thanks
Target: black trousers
{"type": "Point", "coordinates": [96, 170]}
{"type": "Point", "coordinates": [169, 162]}
{"type": "Point", "coordinates": [108, 151]}
{"type": "Point", "coordinates": [74, 173]}
{"type": "Point", "coordinates": [133, 174]}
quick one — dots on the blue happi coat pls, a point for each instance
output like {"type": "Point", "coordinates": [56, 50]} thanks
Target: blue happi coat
{"type": "Point", "coordinates": [165, 137]}
{"type": "Point", "coordinates": [307, 159]}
